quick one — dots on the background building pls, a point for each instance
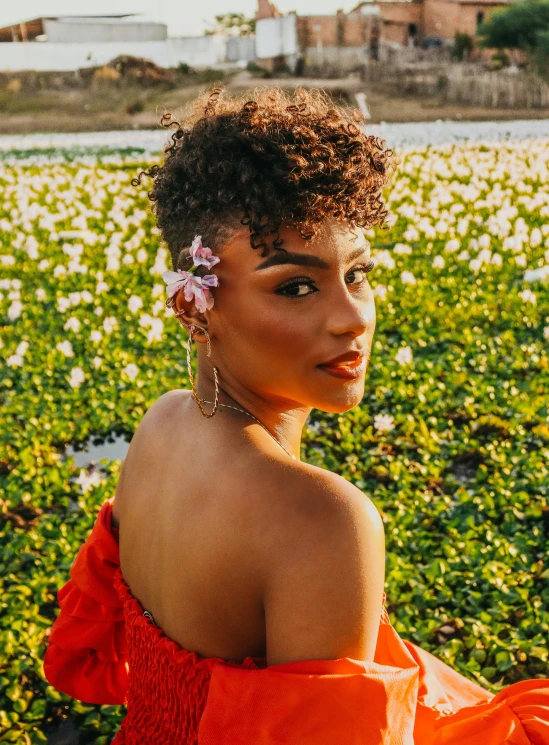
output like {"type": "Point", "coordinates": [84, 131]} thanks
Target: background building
{"type": "Point", "coordinates": [72, 42]}
{"type": "Point", "coordinates": [368, 30]}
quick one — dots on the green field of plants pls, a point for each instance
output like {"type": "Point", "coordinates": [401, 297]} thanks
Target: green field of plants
{"type": "Point", "coordinates": [451, 440]}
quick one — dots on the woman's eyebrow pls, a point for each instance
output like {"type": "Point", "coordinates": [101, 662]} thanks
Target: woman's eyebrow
{"type": "Point", "coordinates": [288, 257]}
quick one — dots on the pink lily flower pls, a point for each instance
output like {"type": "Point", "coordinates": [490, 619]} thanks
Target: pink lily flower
{"type": "Point", "coordinates": [201, 254]}
{"type": "Point", "coordinates": [194, 287]}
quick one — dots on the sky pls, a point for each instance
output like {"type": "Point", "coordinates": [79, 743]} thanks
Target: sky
{"type": "Point", "coordinates": [183, 17]}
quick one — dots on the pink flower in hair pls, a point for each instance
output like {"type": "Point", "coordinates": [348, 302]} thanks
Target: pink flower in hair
{"type": "Point", "coordinates": [194, 286]}
{"type": "Point", "coordinates": [201, 254]}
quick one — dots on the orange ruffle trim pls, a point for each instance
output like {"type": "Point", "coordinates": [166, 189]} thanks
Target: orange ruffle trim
{"type": "Point", "coordinates": [406, 696]}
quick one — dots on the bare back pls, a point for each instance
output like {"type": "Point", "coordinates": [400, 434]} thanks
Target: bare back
{"type": "Point", "coordinates": [194, 506]}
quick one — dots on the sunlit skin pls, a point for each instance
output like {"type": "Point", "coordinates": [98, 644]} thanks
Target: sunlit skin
{"type": "Point", "coordinates": [267, 340]}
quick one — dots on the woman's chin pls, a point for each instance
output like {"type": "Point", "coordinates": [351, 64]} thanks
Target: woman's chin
{"type": "Point", "coordinates": [343, 397]}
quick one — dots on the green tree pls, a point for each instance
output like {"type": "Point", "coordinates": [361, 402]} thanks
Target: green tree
{"type": "Point", "coordinates": [517, 26]}
{"type": "Point", "coordinates": [232, 23]}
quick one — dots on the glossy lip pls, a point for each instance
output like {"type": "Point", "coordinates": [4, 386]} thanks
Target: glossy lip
{"type": "Point", "coordinates": [349, 365]}
{"type": "Point", "coordinates": [348, 357]}
{"type": "Point", "coordinates": [352, 370]}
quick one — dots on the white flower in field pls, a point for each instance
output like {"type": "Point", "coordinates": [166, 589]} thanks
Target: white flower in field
{"type": "Point", "coordinates": [411, 234]}
{"type": "Point", "coordinates": [402, 248]}
{"type": "Point", "coordinates": [404, 355]}
{"type": "Point", "coordinates": [384, 422]}
{"type": "Point", "coordinates": [438, 262]}
{"type": "Point", "coordinates": [77, 377]}
{"type": "Point", "coordinates": [128, 259]}
{"type": "Point", "coordinates": [141, 255]}
{"type": "Point", "coordinates": [44, 264]}
{"type": "Point", "coordinates": [521, 260]}
{"type": "Point", "coordinates": [475, 265]}
{"type": "Point", "coordinates": [14, 311]}
{"type": "Point", "coordinates": [86, 296]}
{"type": "Point", "coordinates": [65, 347]}
{"type": "Point", "coordinates": [131, 370]}
{"type": "Point", "coordinates": [63, 303]}
{"type": "Point", "coordinates": [157, 307]}
{"type": "Point", "coordinates": [384, 258]}
{"type": "Point", "coordinates": [88, 480]}
{"type": "Point", "coordinates": [464, 256]}
{"type": "Point", "coordinates": [98, 311]}
{"type": "Point", "coordinates": [40, 293]}
{"type": "Point", "coordinates": [22, 348]}
{"type": "Point", "coordinates": [75, 298]}
{"type": "Point", "coordinates": [528, 296]}
{"type": "Point", "coordinates": [407, 277]}
{"type": "Point", "coordinates": [113, 265]}
{"type": "Point", "coordinates": [7, 260]}
{"type": "Point", "coordinates": [160, 265]}
{"type": "Point", "coordinates": [96, 336]}
{"type": "Point", "coordinates": [546, 332]}
{"type": "Point", "coordinates": [135, 303]}
{"type": "Point", "coordinates": [96, 362]}
{"type": "Point", "coordinates": [16, 284]}
{"type": "Point", "coordinates": [101, 287]}
{"type": "Point", "coordinates": [536, 237]}
{"type": "Point", "coordinates": [59, 270]}
{"type": "Point", "coordinates": [73, 324]}
{"type": "Point", "coordinates": [110, 323]}
{"type": "Point", "coordinates": [155, 332]}
{"type": "Point", "coordinates": [391, 219]}
{"type": "Point", "coordinates": [516, 243]}
{"type": "Point", "coordinates": [380, 291]}
{"type": "Point", "coordinates": [533, 275]}
{"type": "Point", "coordinates": [158, 289]}
{"type": "Point", "coordinates": [452, 245]}
{"type": "Point", "coordinates": [484, 241]}
{"type": "Point", "coordinates": [497, 259]}
{"type": "Point", "coordinates": [14, 360]}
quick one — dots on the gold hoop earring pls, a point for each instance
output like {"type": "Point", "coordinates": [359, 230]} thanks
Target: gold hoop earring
{"type": "Point", "coordinates": [196, 397]}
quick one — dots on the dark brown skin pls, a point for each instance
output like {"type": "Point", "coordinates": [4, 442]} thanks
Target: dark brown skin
{"type": "Point", "coordinates": [211, 509]}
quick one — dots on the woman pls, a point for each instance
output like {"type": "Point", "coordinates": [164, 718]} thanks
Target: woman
{"type": "Point", "coordinates": [229, 592]}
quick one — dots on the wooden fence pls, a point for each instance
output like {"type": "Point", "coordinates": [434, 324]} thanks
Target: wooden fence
{"type": "Point", "coordinates": [464, 83]}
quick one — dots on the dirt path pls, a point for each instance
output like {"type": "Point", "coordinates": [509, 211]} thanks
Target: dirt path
{"type": "Point", "coordinates": [99, 111]}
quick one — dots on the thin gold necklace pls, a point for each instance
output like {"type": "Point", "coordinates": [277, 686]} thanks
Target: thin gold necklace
{"type": "Point", "coordinates": [256, 419]}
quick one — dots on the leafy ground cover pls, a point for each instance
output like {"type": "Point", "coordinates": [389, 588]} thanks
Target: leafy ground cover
{"type": "Point", "coordinates": [451, 440]}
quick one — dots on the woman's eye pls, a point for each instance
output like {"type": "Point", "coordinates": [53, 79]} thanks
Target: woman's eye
{"type": "Point", "coordinates": [292, 289]}
{"type": "Point", "coordinates": [364, 269]}
{"type": "Point", "coordinates": [288, 289]}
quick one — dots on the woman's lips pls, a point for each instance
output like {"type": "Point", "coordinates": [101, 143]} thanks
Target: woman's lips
{"type": "Point", "coordinates": [347, 369]}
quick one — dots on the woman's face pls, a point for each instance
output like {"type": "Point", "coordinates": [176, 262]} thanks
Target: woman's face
{"type": "Point", "coordinates": [275, 321]}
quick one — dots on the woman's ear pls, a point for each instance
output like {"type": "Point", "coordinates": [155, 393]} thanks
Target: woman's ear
{"type": "Point", "coordinates": [189, 313]}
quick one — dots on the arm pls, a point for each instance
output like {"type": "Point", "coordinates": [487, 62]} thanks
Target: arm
{"type": "Point", "coordinates": [325, 574]}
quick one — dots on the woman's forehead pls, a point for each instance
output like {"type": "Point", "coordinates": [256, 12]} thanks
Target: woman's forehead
{"type": "Point", "coordinates": [332, 237]}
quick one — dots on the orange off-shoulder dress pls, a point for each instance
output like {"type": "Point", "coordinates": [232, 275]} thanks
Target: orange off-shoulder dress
{"type": "Point", "coordinates": [105, 648]}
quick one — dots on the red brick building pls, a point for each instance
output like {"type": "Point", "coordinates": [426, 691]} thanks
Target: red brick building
{"type": "Point", "coordinates": [389, 22]}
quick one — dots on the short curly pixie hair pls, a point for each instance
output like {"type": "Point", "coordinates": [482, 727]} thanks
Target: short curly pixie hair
{"type": "Point", "coordinates": [264, 160]}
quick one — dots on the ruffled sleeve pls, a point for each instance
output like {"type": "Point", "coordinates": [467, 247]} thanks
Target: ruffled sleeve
{"type": "Point", "coordinates": [517, 715]}
{"type": "Point", "coordinates": [86, 653]}
{"type": "Point", "coordinates": [406, 696]}
{"type": "Point", "coordinates": [312, 702]}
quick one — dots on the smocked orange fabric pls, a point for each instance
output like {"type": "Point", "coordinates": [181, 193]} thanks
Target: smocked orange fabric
{"type": "Point", "coordinates": [104, 648]}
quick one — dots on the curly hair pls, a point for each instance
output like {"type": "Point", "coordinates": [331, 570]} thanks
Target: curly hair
{"type": "Point", "coordinates": [264, 160]}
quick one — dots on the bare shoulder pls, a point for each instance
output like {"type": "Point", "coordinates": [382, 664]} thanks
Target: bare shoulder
{"type": "Point", "coordinates": [147, 442]}
{"type": "Point", "coordinates": [324, 569]}
{"type": "Point", "coordinates": [304, 500]}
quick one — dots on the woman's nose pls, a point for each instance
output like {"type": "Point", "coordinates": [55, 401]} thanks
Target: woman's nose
{"type": "Point", "coordinates": [349, 314]}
